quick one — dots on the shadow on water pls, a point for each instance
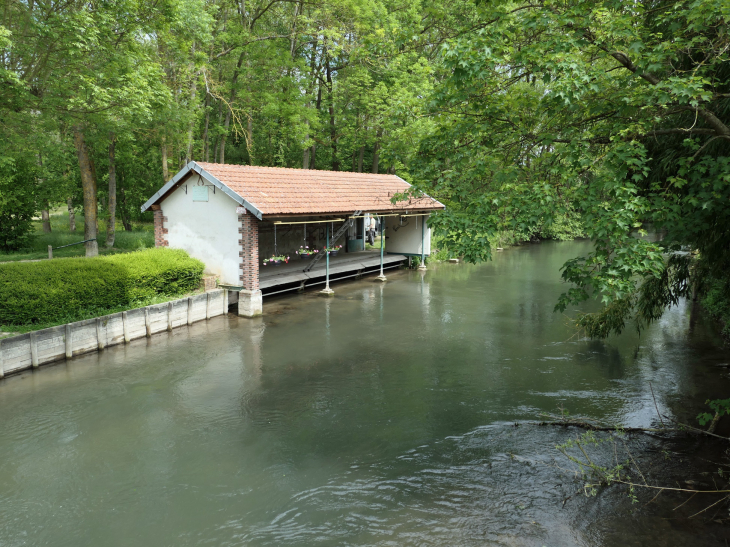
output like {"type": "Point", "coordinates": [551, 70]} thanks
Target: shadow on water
{"type": "Point", "coordinates": [382, 416]}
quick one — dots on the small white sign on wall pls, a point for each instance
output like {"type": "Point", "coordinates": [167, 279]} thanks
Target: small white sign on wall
{"type": "Point", "coordinates": [200, 193]}
{"type": "Point", "coordinates": [240, 210]}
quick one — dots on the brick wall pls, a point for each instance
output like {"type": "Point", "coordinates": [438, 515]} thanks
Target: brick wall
{"type": "Point", "coordinates": [249, 253]}
{"type": "Point", "coordinates": [160, 230]}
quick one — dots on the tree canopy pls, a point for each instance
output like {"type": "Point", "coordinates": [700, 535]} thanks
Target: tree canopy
{"type": "Point", "coordinates": [520, 116]}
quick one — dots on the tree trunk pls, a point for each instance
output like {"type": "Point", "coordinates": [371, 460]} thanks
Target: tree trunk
{"type": "Point", "coordinates": [314, 146]}
{"type": "Point", "coordinates": [45, 215]}
{"type": "Point", "coordinates": [333, 129]}
{"type": "Point", "coordinates": [165, 168]}
{"type": "Point", "coordinates": [123, 209]}
{"type": "Point", "coordinates": [305, 156]}
{"type": "Point", "coordinates": [96, 192]}
{"type": "Point", "coordinates": [227, 123]}
{"type": "Point", "coordinates": [46, 218]}
{"type": "Point", "coordinates": [193, 90]}
{"type": "Point", "coordinates": [206, 148]}
{"type": "Point", "coordinates": [111, 225]}
{"type": "Point", "coordinates": [71, 215]}
{"type": "Point", "coordinates": [360, 158]}
{"type": "Point", "coordinates": [88, 184]}
{"type": "Point", "coordinates": [376, 151]}
{"type": "Point", "coordinates": [249, 143]}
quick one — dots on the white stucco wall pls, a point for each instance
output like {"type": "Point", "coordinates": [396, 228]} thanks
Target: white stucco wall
{"type": "Point", "coordinates": [207, 230]}
{"type": "Point", "coordinates": [407, 239]}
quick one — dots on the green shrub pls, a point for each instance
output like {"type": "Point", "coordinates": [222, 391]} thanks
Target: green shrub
{"type": "Point", "coordinates": [17, 204]}
{"type": "Point", "coordinates": [715, 299]}
{"type": "Point", "coordinates": [46, 291]}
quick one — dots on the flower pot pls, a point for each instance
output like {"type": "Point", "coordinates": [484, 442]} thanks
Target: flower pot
{"type": "Point", "coordinates": [305, 257]}
{"type": "Point", "coordinates": [333, 253]}
{"type": "Point", "coordinates": [276, 262]}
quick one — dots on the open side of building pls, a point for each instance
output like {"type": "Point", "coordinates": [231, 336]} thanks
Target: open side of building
{"type": "Point", "coordinates": [236, 217]}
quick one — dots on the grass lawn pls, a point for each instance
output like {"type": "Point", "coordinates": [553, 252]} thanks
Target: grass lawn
{"type": "Point", "coordinates": [140, 238]}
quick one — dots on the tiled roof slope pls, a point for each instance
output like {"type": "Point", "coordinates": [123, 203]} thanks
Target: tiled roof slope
{"type": "Point", "coordinates": [276, 190]}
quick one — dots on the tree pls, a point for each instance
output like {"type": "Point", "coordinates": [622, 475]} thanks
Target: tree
{"type": "Point", "coordinates": [619, 110]}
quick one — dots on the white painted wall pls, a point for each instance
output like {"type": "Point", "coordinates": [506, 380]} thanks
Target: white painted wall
{"type": "Point", "coordinates": [207, 230]}
{"type": "Point", "coordinates": [407, 239]}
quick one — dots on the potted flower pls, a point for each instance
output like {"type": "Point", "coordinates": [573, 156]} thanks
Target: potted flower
{"type": "Point", "coordinates": [276, 260]}
{"type": "Point", "coordinates": [305, 253]}
{"type": "Point", "coordinates": [333, 250]}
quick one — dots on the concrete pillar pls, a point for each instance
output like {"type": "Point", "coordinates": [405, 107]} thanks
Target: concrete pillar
{"type": "Point", "coordinates": [250, 303]}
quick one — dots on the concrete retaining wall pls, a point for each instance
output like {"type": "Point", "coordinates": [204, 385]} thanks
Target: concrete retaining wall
{"type": "Point", "coordinates": [63, 342]}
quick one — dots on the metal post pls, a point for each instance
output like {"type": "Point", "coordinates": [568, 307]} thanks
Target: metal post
{"type": "Point", "coordinates": [423, 244]}
{"type": "Point", "coordinates": [50, 252]}
{"type": "Point", "coordinates": [327, 289]}
{"type": "Point", "coordinates": [381, 277]}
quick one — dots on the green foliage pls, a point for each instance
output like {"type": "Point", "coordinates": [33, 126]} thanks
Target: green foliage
{"type": "Point", "coordinates": [721, 407]}
{"type": "Point", "coordinates": [17, 203]}
{"type": "Point", "coordinates": [716, 300]}
{"type": "Point", "coordinates": [140, 237]}
{"type": "Point", "coordinates": [617, 112]}
{"type": "Point", "coordinates": [35, 292]}
{"type": "Point", "coordinates": [564, 227]}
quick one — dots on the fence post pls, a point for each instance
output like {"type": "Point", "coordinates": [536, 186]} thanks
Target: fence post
{"type": "Point", "coordinates": [34, 350]}
{"type": "Point", "coordinates": [169, 317]}
{"type": "Point", "coordinates": [147, 325]}
{"type": "Point", "coordinates": [190, 310]}
{"type": "Point", "coordinates": [2, 365]}
{"type": "Point", "coordinates": [69, 342]}
{"type": "Point", "coordinates": [125, 327]}
{"type": "Point", "coordinates": [225, 301]}
{"type": "Point", "coordinates": [207, 306]}
{"type": "Point", "coordinates": [50, 252]}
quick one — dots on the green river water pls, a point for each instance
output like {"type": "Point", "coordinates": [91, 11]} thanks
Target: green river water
{"type": "Point", "coordinates": [381, 416]}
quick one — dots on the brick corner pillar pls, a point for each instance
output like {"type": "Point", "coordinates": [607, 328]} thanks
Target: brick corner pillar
{"type": "Point", "coordinates": [250, 301]}
{"type": "Point", "coordinates": [160, 230]}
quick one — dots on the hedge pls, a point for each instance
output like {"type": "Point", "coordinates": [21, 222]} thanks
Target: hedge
{"type": "Point", "coordinates": [53, 290]}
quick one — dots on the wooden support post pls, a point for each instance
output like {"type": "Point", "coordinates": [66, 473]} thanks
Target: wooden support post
{"type": "Point", "coordinates": [50, 252]}
{"type": "Point", "coordinates": [169, 317]}
{"type": "Point", "coordinates": [225, 301]}
{"type": "Point", "coordinates": [207, 306]}
{"type": "Point", "coordinates": [382, 277]}
{"type": "Point", "coordinates": [69, 342]}
{"type": "Point", "coordinates": [99, 341]}
{"type": "Point", "coordinates": [190, 310]}
{"type": "Point", "coordinates": [147, 325]}
{"type": "Point", "coordinates": [125, 327]}
{"type": "Point", "coordinates": [34, 349]}
{"type": "Point", "coordinates": [2, 365]}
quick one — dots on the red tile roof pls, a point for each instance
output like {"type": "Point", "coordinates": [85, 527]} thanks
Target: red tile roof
{"type": "Point", "coordinates": [281, 191]}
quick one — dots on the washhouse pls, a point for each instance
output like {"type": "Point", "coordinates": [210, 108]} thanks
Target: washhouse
{"type": "Point", "coordinates": [266, 230]}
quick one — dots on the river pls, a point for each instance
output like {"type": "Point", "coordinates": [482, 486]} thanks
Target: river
{"type": "Point", "coordinates": [382, 416]}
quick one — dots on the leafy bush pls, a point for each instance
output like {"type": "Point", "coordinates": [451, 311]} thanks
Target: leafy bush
{"type": "Point", "coordinates": [17, 203]}
{"type": "Point", "coordinates": [564, 228]}
{"type": "Point", "coordinates": [716, 300]}
{"type": "Point", "coordinates": [34, 292]}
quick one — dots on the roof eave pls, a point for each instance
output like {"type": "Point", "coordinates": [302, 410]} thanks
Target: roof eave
{"type": "Point", "coordinates": [193, 167]}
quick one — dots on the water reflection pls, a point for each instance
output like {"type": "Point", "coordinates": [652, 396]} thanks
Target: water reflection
{"type": "Point", "coordinates": [380, 416]}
